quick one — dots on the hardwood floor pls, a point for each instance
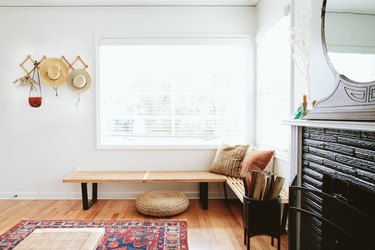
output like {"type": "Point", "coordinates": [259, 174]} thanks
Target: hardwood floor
{"type": "Point", "coordinates": [219, 227]}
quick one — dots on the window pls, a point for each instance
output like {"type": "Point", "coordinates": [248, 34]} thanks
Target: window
{"type": "Point", "coordinates": [180, 91]}
{"type": "Point", "coordinates": [273, 86]}
{"type": "Point", "coordinates": [354, 65]}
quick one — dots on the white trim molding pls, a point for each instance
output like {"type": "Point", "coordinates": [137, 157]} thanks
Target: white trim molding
{"type": "Point", "coordinates": [110, 3]}
{"type": "Point", "coordinates": [350, 125]}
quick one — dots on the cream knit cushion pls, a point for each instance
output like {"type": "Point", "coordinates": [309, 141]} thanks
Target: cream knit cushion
{"type": "Point", "coordinates": [162, 203]}
{"type": "Point", "coordinates": [228, 160]}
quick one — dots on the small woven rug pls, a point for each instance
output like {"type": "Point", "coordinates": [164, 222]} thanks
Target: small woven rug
{"type": "Point", "coordinates": [119, 234]}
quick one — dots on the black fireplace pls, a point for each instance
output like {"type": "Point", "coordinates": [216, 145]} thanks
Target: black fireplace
{"type": "Point", "coordinates": [334, 207]}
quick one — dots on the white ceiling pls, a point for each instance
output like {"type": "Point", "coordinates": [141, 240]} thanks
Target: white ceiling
{"type": "Point", "coordinates": [351, 6]}
{"type": "Point", "coordinates": [126, 2]}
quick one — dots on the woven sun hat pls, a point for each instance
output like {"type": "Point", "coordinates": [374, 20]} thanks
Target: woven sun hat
{"type": "Point", "coordinates": [79, 81]}
{"type": "Point", "coordinates": [162, 203]}
{"type": "Point", "coordinates": [53, 72]}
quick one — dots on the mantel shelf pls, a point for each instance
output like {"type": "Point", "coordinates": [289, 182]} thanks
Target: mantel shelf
{"type": "Point", "coordinates": [350, 125]}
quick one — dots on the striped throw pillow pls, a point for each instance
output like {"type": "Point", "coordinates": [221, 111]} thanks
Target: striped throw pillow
{"type": "Point", "coordinates": [228, 160]}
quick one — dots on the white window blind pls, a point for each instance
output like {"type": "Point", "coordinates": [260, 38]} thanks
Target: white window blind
{"type": "Point", "coordinates": [171, 91]}
{"type": "Point", "coordinates": [273, 86]}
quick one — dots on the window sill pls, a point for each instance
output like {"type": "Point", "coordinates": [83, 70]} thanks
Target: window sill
{"type": "Point", "coordinates": [159, 147]}
{"type": "Point", "coordinates": [146, 143]}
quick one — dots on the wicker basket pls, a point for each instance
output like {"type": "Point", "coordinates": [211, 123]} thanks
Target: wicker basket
{"type": "Point", "coordinates": [162, 203]}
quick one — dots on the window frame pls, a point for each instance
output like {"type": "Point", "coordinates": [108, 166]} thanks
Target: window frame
{"type": "Point", "coordinates": [281, 152]}
{"type": "Point", "coordinates": [249, 61]}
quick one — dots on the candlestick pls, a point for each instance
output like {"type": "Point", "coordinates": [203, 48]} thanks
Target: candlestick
{"type": "Point", "coordinates": [304, 108]}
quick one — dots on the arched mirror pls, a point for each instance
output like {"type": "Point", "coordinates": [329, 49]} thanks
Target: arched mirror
{"type": "Point", "coordinates": [348, 36]}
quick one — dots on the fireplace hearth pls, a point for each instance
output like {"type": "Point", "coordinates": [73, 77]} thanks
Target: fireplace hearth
{"type": "Point", "coordinates": [355, 214]}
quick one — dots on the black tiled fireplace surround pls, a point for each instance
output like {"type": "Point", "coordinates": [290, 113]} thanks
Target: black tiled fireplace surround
{"type": "Point", "coordinates": [340, 164]}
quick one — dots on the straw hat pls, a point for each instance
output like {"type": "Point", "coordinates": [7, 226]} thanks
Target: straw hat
{"type": "Point", "coordinates": [79, 81]}
{"type": "Point", "coordinates": [53, 72]}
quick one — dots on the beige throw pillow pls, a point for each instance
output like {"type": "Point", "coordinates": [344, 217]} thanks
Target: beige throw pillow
{"type": "Point", "coordinates": [255, 159]}
{"type": "Point", "coordinates": [228, 160]}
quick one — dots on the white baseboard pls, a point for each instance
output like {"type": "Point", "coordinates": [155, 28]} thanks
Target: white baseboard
{"type": "Point", "coordinates": [101, 195]}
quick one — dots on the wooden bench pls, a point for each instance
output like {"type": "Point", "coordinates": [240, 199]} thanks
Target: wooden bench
{"type": "Point", "coordinates": [203, 177]}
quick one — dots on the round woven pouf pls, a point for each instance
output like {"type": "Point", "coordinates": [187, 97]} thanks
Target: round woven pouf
{"type": "Point", "coordinates": [162, 203]}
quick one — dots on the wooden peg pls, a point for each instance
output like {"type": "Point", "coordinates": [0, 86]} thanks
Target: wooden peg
{"type": "Point", "coordinates": [41, 60]}
{"type": "Point", "coordinates": [28, 73]}
{"type": "Point", "coordinates": [21, 64]}
{"type": "Point", "coordinates": [78, 58]}
{"type": "Point", "coordinates": [70, 66]}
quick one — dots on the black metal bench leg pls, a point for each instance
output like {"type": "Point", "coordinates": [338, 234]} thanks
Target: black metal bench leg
{"type": "Point", "coordinates": [225, 193]}
{"type": "Point", "coordinates": [245, 237]}
{"type": "Point", "coordinates": [284, 217]}
{"type": "Point", "coordinates": [203, 193]}
{"type": "Point", "coordinates": [85, 199]}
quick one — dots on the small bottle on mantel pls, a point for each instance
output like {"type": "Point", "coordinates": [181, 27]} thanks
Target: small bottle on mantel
{"type": "Point", "coordinates": [313, 103]}
{"type": "Point", "coordinates": [304, 105]}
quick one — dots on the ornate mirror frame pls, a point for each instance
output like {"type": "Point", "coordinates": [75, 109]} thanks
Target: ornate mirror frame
{"type": "Point", "coordinates": [350, 100]}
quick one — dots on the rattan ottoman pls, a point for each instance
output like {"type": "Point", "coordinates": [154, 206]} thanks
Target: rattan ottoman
{"type": "Point", "coordinates": [162, 203]}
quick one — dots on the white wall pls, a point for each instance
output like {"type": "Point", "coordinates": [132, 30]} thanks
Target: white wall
{"type": "Point", "coordinates": [268, 13]}
{"type": "Point", "coordinates": [322, 79]}
{"type": "Point", "coordinates": [38, 147]}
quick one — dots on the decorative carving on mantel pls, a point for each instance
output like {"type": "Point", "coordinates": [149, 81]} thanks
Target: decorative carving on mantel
{"type": "Point", "coordinates": [349, 101]}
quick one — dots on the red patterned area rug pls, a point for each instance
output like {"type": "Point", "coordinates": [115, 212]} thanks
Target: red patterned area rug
{"type": "Point", "coordinates": [119, 234]}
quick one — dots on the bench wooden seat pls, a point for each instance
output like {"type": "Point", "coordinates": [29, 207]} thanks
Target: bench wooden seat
{"type": "Point", "coordinates": [144, 176]}
{"type": "Point", "coordinates": [203, 177]}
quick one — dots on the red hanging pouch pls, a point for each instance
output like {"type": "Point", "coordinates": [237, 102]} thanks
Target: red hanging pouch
{"type": "Point", "coordinates": [35, 96]}
{"type": "Point", "coordinates": [35, 102]}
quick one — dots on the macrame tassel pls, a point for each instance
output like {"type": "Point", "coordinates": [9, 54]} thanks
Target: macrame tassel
{"type": "Point", "coordinates": [56, 88]}
{"type": "Point", "coordinates": [78, 101]}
